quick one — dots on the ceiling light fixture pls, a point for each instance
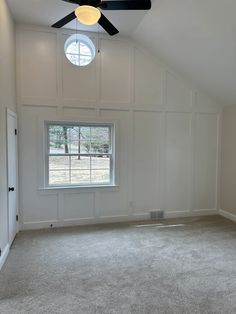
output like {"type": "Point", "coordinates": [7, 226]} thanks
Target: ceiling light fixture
{"type": "Point", "coordinates": [87, 14]}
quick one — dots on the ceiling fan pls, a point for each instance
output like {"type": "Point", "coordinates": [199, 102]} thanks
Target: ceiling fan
{"type": "Point", "coordinates": [88, 12]}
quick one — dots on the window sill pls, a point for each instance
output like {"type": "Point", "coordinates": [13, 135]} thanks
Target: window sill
{"type": "Point", "coordinates": [79, 188]}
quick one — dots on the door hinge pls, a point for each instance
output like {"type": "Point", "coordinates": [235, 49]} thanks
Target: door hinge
{"type": "Point", "coordinates": [17, 218]}
{"type": "Point", "coordinates": [15, 131]}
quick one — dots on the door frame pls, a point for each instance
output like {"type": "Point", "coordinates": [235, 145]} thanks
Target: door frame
{"type": "Point", "coordinates": [13, 114]}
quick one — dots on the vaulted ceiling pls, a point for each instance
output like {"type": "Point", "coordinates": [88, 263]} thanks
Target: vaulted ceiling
{"type": "Point", "coordinates": [195, 37]}
{"type": "Point", "coordinates": [198, 38]}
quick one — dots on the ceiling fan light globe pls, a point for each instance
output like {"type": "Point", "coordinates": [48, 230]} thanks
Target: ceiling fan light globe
{"type": "Point", "coordinates": [87, 15]}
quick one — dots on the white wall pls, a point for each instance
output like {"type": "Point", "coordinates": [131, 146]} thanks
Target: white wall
{"type": "Point", "coordinates": [7, 100]}
{"type": "Point", "coordinates": [168, 154]}
{"type": "Point", "coordinates": [228, 177]}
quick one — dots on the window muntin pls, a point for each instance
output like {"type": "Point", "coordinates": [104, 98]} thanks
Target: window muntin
{"type": "Point", "coordinates": [79, 154]}
{"type": "Point", "coordinates": [79, 50]}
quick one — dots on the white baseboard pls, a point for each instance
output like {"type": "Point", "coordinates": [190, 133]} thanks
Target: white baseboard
{"type": "Point", "coordinates": [227, 215]}
{"type": "Point", "coordinates": [32, 225]}
{"type": "Point", "coordinates": [82, 222]}
{"type": "Point", "coordinates": [124, 218]}
{"type": "Point", "coordinates": [4, 256]}
{"type": "Point", "coordinates": [193, 213]}
{"type": "Point", "coordinates": [113, 219]}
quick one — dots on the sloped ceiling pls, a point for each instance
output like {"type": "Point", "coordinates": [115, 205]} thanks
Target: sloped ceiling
{"type": "Point", "coordinates": [195, 37]}
{"type": "Point", "coordinates": [198, 39]}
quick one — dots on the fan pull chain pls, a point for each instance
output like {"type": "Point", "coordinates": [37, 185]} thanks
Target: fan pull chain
{"type": "Point", "coordinates": [98, 40]}
{"type": "Point", "coordinates": [76, 30]}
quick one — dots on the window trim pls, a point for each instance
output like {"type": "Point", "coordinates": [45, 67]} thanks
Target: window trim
{"type": "Point", "coordinates": [87, 122]}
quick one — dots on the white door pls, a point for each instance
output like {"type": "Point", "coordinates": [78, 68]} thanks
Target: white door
{"type": "Point", "coordinates": [12, 174]}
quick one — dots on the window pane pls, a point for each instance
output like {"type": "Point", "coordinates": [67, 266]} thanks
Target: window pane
{"type": "Point", "coordinates": [82, 162]}
{"type": "Point", "coordinates": [58, 162]}
{"type": "Point", "coordinates": [59, 177]}
{"type": "Point", "coordinates": [74, 133]}
{"type": "Point", "coordinates": [80, 176]}
{"type": "Point", "coordinates": [84, 49]}
{"type": "Point", "coordinates": [73, 58]}
{"type": "Point", "coordinates": [73, 48]}
{"type": "Point", "coordinates": [100, 133]}
{"type": "Point", "coordinates": [100, 163]}
{"type": "Point", "coordinates": [84, 60]}
{"type": "Point", "coordinates": [73, 147]}
{"type": "Point", "coordinates": [85, 147]}
{"type": "Point", "coordinates": [100, 139]}
{"type": "Point", "coordinates": [99, 148]}
{"type": "Point", "coordinates": [72, 139]}
{"type": "Point", "coordinates": [85, 133]}
{"type": "Point", "coordinates": [100, 176]}
{"type": "Point", "coordinates": [63, 140]}
{"type": "Point", "coordinates": [56, 139]}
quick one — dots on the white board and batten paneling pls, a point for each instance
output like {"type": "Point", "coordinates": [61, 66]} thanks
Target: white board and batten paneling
{"type": "Point", "coordinates": [177, 161]}
{"type": "Point", "coordinates": [38, 66]}
{"type": "Point", "coordinates": [75, 84]}
{"type": "Point", "coordinates": [148, 71]}
{"type": "Point", "coordinates": [115, 72]}
{"type": "Point", "coordinates": [168, 132]}
{"type": "Point", "coordinates": [178, 93]}
{"type": "Point", "coordinates": [146, 160]}
{"type": "Point", "coordinates": [74, 203]}
{"type": "Point", "coordinates": [205, 162]}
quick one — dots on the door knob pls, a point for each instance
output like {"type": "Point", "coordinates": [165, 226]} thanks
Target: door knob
{"type": "Point", "coordinates": [11, 189]}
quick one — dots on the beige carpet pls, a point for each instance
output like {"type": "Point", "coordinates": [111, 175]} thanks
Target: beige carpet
{"type": "Point", "coordinates": [123, 269]}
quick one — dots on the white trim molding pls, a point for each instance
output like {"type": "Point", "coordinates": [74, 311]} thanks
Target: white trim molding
{"type": "Point", "coordinates": [193, 213]}
{"type": "Point", "coordinates": [4, 255]}
{"type": "Point", "coordinates": [227, 215]}
{"type": "Point", "coordinates": [113, 219]}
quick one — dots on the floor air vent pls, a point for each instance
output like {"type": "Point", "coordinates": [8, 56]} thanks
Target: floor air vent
{"type": "Point", "coordinates": [156, 214]}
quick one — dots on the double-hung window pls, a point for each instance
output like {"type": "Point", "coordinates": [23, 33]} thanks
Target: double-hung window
{"type": "Point", "coordinates": [79, 154]}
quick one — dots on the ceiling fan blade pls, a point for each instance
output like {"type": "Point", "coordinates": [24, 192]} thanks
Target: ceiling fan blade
{"type": "Point", "coordinates": [106, 24]}
{"type": "Point", "coordinates": [72, 1]}
{"type": "Point", "coordinates": [126, 5]}
{"type": "Point", "coordinates": [93, 3]}
{"type": "Point", "coordinates": [70, 17]}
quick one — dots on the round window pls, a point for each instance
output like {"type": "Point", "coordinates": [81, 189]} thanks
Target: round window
{"type": "Point", "coordinates": [79, 50]}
